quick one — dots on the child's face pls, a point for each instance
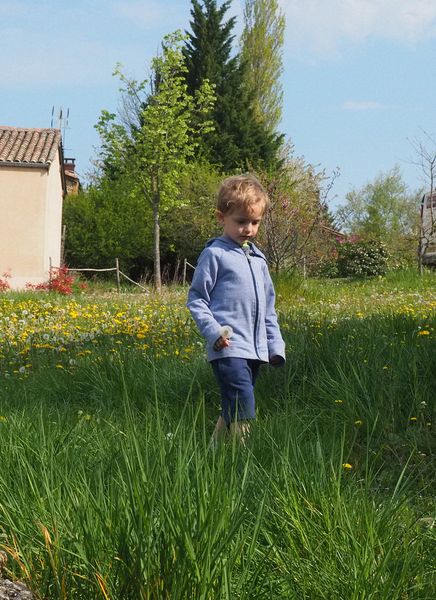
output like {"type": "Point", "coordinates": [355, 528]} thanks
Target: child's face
{"type": "Point", "coordinates": [241, 225]}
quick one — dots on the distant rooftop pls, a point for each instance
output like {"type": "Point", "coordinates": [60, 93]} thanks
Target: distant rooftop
{"type": "Point", "coordinates": [21, 146]}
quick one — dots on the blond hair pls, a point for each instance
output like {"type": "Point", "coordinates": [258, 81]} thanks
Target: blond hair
{"type": "Point", "coordinates": [241, 191]}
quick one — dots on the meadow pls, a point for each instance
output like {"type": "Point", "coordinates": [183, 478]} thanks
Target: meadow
{"type": "Point", "coordinates": [108, 486]}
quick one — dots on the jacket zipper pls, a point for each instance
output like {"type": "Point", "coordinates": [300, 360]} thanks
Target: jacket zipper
{"type": "Point", "coordinates": [256, 316]}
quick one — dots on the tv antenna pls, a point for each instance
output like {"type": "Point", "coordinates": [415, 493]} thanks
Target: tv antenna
{"type": "Point", "coordinates": [62, 122]}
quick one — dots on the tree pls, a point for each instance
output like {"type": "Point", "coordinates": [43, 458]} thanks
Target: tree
{"type": "Point", "coordinates": [155, 150]}
{"type": "Point", "coordinates": [296, 227]}
{"type": "Point", "coordinates": [383, 210]}
{"type": "Point", "coordinates": [185, 231]}
{"type": "Point", "coordinates": [261, 53]}
{"type": "Point", "coordinates": [238, 139]}
{"type": "Point", "coordinates": [106, 222]}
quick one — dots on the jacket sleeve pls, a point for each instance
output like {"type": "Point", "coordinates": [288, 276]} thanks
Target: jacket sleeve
{"type": "Point", "coordinates": [276, 345]}
{"type": "Point", "coordinates": [199, 295]}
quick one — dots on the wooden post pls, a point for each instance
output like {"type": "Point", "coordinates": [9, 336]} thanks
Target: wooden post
{"type": "Point", "coordinates": [64, 229]}
{"type": "Point", "coordinates": [184, 271]}
{"type": "Point", "coordinates": [117, 265]}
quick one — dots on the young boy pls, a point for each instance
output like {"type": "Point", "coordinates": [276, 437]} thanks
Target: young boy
{"type": "Point", "coordinates": [232, 287]}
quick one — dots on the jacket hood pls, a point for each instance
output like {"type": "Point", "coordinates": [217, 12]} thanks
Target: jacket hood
{"type": "Point", "coordinates": [227, 243]}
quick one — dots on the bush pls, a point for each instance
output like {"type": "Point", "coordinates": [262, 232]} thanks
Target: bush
{"type": "Point", "coordinates": [60, 282]}
{"type": "Point", "coordinates": [362, 259]}
{"type": "Point", "coordinates": [4, 283]}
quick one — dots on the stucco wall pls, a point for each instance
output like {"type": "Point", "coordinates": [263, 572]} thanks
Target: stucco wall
{"type": "Point", "coordinates": [30, 222]}
{"type": "Point", "coordinates": [53, 217]}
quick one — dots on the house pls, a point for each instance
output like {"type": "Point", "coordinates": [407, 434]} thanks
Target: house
{"type": "Point", "coordinates": [72, 180]}
{"type": "Point", "coordinates": [32, 187]}
{"type": "Point", "coordinates": [428, 228]}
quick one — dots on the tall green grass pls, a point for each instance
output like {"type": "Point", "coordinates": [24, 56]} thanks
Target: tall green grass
{"type": "Point", "coordinates": [108, 487]}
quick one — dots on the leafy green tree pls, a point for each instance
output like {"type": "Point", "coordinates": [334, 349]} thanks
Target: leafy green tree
{"type": "Point", "coordinates": [185, 231]}
{"type": "Point", "coordinates": [261, 52]}
{"type": "Point", "coordinates": [238, 139]}
{"type": "Point", "coordinates": [383, 210]}
{"type": "Point", "coordinates": [296, 231]}
{"type": "Point", "coordinates": [156, 149]}
{"type": "Point", "coordinates": [106, 222]}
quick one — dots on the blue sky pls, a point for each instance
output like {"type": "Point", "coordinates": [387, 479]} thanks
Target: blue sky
{"type": "Point", "coordinates": [359, 75]}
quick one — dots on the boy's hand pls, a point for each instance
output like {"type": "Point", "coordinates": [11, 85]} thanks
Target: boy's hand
{"type": "Point", "coordinates": [276, 361]}
{"type": "Point", "coordinates": [221, 343]}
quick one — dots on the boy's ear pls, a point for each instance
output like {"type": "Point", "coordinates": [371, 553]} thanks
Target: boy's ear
{"type": "Point", "coordinates": [220, 217]}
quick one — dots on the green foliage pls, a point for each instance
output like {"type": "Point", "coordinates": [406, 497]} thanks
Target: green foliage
{"type": "Point", "coordinates": [261, 53]}
{"type": "Point", "coordinates": [108, 488]}
{"type": "Point", "coordinates": [295, 232]}
{"type": "Point", "coordinates": [160, 139]}
{"type": "Point", "coordinates": [384, 210]}
{"type": "Point", "coordinates": [107, 222]}
{"type": "Point", "coordinates": [362, 258]}
{"type": "Point", "coordinates": [238, 139]}
{"type": "Point", "coordinates": [186, 229]}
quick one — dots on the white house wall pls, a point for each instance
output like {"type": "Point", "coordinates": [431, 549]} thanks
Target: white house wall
{"type": "Point", "coordinates": [53, 217]}
{"type": "Point", "coordinates": [30, 222]}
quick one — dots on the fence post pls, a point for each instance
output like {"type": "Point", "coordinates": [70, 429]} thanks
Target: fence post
{"type": "Point", "coordinates": [184, 271]}
{"type": "Point", "coordinates": [64, 229]}
{"type": "Point", "coordinates": [117, 266]}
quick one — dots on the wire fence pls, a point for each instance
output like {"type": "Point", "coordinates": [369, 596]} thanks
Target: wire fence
{"type": "Point", "coordinates": [119, 274]}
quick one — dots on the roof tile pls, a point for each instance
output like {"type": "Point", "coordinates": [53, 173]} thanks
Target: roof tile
{"type": "Point", "coordinates": [28, 146]}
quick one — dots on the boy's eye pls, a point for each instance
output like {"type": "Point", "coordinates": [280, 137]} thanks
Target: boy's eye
{"type": "Point", "coordinates": [248, 222]}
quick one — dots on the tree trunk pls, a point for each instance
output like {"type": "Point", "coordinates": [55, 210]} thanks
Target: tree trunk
{"type": "Point", "coordinates": [156, 247]}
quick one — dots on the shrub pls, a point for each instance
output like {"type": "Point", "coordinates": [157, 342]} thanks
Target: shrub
{"type": "Point", "coordinates": [4, 283]}
{"type": "Point", "coordinates": [60, 282]}
{"type": "Point", "coordinates": [362, 258]}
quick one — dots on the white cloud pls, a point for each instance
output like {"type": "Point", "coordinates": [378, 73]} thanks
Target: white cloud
{"type": "Point", "coordinates": [362, 105]}
{"type": "Point", "coordinates": [320, 27]}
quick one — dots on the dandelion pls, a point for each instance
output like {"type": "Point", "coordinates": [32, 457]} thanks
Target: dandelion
{"type": "Point", "coordinates": [347, 466]}
{"type": "Point", "coordinates": [413, 419]}
{"type": "Point", "coordinates": [424, 332]}
{"type": "Point", "coordinates": [339, 401]}
{"type": "Point", "coordinates": [226, 331]}
{"type": "Point", "coordinates": [358, 422]}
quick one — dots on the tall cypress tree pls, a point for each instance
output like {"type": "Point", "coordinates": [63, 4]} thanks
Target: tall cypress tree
{"type": "Point", "coordinates": [262, 46]}
{"type": "Point", "coordinates": [239, 139]}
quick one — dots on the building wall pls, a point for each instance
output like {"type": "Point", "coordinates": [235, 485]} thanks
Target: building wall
{"type": "Point", "coordinates": [30, 222]}
{"type": "Point", "coordinates": [53, 217]}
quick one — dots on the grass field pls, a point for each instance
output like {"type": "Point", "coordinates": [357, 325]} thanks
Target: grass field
{"type": "Point", "coordinates": [108, 489]}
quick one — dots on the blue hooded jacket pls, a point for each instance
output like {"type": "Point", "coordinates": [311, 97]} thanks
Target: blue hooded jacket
{"type": "Point", "coordinates": [232, 286]}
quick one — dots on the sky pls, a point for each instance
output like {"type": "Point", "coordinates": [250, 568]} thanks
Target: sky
{"type": "Point", "coordinates": [359, 78]}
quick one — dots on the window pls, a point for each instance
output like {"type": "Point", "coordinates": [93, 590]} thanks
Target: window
{"type": "Point", "coordinates": [430, 201]}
